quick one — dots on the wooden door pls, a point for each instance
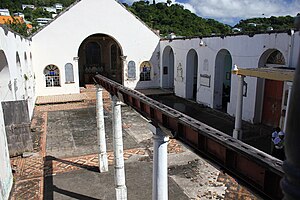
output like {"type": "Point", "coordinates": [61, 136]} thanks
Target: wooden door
{"type": "Point", "coordinates": [272, 102]}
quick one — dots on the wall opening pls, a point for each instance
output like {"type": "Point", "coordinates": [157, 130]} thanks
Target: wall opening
{"type": "Point", "coordinates": [269, 95]}
{"type": "Point", "coordinates": [99, 54]}
{"type": "Point", "coordinates": [222, 80]}
{"type": "Point", "coordinates": [168, 68]}
{"type": "Point", "coordinates": [191, 75]}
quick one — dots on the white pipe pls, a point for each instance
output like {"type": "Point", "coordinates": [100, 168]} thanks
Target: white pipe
{"type": "Point", "coordinates": [102, 156]}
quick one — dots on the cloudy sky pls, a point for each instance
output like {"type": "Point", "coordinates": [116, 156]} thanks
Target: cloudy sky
{"type": "Point", "coordinates": [231, 11]}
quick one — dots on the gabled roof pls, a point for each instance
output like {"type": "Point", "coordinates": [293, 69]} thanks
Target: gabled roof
{"type": "Point", "coordinates": [77, 1]}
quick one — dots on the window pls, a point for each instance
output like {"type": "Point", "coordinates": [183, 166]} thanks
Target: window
{"type": "Point", "coordinates": [131, 70]}
{"type": "Point", "coordinates": [113, 56]}
{"type": "Point", "coordinates": [145, 74]}
{"type": "Point", "coordinates": [69, 73]}
{"type": "Point", "coordinates": [51, 73]}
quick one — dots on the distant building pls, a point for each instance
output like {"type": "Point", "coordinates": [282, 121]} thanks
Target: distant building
{"type": "Point", "coordinates": [252, 24]}
{"type": "Point", "coordinates": [42, 21]}
{"type": "Point", "coordinates": [4, 12]}
{"type": "Point", "coordinates": [58, 6]}
{"type": "Point", "coordinates": [235, 30]}
{"type": "Point", "coordinates": [10, 19]}
{"type": "Point", "coordinates": [27, 6]}
{"type": "Point", "coordinates": [50, 9]}
{"type": "Point", "coordinates": [19, 14]}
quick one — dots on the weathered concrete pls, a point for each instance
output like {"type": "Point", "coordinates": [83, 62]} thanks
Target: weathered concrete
{"type": "Point", "coordinates": [84, 184]}
{"type": "Point", "coordinates": [73, 133]}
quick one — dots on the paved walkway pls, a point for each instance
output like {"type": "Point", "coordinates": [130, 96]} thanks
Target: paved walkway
{"type": "Point", "coordinates": [64, 165]}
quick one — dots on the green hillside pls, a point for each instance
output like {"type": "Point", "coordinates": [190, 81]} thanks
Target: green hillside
{"type": "Point", "coordinates": [174, 18]}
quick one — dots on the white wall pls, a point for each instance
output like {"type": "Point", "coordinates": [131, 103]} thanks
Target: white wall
{"type": "Point", "coordinates": [59, 42]}
{"type": "Point", "coordinates": [245, 51]}
{"type": "Point", "coordinates": [12, 73]}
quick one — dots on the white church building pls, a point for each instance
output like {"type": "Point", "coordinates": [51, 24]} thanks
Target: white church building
{"type": "Point", "coordinates": [102, 37]}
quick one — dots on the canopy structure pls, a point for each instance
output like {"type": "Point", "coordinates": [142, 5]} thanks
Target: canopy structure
{"type": "Point", "coordinates": [279, 74]}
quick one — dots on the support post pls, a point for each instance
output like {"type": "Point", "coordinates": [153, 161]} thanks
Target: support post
{"type": "Point", "coordinates": [237, 132]}
{"type": "Point", "coordinates": [289, 84]}
{"type": "Point", "coordinates": [160, 164]}
{"type": "Point", "coordinates": [121, 190]}
{"type": "Point", "coordinates": [290, 184]}
{"type": "Point", "coordinates": [102, 156]}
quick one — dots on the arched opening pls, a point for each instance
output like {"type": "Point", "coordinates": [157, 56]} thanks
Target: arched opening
{"type": "Point", "coordinates": [52, 76]}
{"type": "Point", "coordinates": [269, 92]}
{"type": "Point", "coordinates": [222, 80]}
{"type": "Point", "coordinates": [191, 75]}
{"type": "Point", "coordinates": [5, 82]}
{"type": "Point", "coordinates": [168, 68]}
{"type": "Point", "coordinates": [99, 54]}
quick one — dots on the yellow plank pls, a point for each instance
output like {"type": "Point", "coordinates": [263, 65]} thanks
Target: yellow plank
{"type": "Point", "coordinates": [267, 73]}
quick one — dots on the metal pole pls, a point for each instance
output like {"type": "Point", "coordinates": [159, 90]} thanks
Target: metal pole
{"type": "Point", "coordinates": [237, 132]}
{"type": "Point", "coordinates": [290, 184]}
{"type": "Point", "coordinates": [121, 190]}
{"type": "Point", "coordinates": [290, 84]}
{"type": "Point", "coordinates": [160, 164]}
{"type": "Point", "coordinates": [102, 156]}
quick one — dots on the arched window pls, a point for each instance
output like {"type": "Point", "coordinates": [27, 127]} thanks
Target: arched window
{"type": "Point", "coordinates": [69, 73]}
{"type": "Point", "coordinates": [131, 70]}
{"type": "Point", "coordinates": [51, 73]}
{"type": "Point", "coordinates": [113, 56]}
{"type": "Point", "coordinates": [145, 73]}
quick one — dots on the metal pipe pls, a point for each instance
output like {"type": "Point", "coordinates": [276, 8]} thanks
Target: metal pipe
{"type": "Point", "coordinates": [160, 164]}
{"type": "Point", "coordinates": [121, 190]}
{"type": "Point", "coordinates": [237, 132]}
{"type": "Point", "coordinates": [102, 156]}
{"type": "Point", "coordinates": [290, 184]}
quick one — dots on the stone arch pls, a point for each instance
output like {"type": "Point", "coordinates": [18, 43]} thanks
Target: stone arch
{"type": "Point", "coordinates": [5, 81]}
{"type": "Point", "coordinates": [100, 61]}
{"type": "Point", "coordinates": [191, 75]}
{"type": "Point", "coordinates": [168, 68]}
{"type": "Point", "coordinates": [269, 93]}
{"type": "Point", "coordinates": [222, 79]}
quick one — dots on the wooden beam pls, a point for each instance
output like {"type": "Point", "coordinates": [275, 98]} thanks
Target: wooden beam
{"type": "Point", "coordinates": [267, 73]}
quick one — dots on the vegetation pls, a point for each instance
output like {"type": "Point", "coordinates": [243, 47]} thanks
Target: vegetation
{"type": "Point", "coordinates": [165, 17]}
{"type": "Point", "coordinates": [263, 24]}
{"type": "Point", "coordinates": [174, 18]}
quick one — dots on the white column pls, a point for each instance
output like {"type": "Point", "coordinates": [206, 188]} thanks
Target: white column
{"type": "Point", "coordinates": [121, 190]}
{"type": "Point", "coordinates": [160, 164]}
{"type": "Point", "coordinates": [237, 132]}
{"type": "Point", "coordinates": [102, 156]}
{"type": "Point", "coordinates": [290, 85]}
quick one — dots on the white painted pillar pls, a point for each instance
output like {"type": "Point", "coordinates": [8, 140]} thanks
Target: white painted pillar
{"type": "Point", "coordinates": [121, 190]}
{"type": "Point", "coordinates": [160, 164]}
{"type": "Point", "coordinates": [102, 156]}
{"type": "Point", "coordinates": [237, 132]}
{"type": "Point", "coordinates": [290, 85]}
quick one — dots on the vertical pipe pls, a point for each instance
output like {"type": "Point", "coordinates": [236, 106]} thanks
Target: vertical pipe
{"type": "Point", "coordinates": [102, 156]}
{"type": "Point", "coordinates": [290, 84]}
{"type": "Point", "coordinates": [290, 184]}
{"type": "Point", "coordinates": [160, 164]}
{"type": "Point", "coordinates": [237, 132]}
{"type": "Point", "coordinates": [121, 190]}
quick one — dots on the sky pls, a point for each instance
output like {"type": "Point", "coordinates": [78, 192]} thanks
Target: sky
{"type": "Point", "coordinates": [232, 11]}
